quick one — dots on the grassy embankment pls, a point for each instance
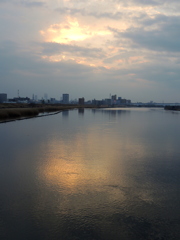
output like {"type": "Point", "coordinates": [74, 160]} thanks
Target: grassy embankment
{"type": "Point", "coordinates": [18, 111]}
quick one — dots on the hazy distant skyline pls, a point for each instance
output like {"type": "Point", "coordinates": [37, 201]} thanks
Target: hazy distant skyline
{"type": "Point", "coordinates": [91, 49]}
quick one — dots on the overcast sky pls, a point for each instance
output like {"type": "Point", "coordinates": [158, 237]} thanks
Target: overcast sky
{"type": "Point", "coordinates": [91, 49]}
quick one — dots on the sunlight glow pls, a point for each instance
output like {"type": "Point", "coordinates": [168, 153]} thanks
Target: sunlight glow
{"type": "Point", "coordinates": [71, 31]}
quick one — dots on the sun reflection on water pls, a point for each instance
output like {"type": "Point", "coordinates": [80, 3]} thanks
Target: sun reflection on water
{"type": "Point", "coordinates": [88, 160]}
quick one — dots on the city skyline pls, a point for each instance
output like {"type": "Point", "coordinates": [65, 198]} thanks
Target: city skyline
{"type": "Point", "coordinates": [91, 49]}
{"type": "Point", "coordinates": [65, 99]}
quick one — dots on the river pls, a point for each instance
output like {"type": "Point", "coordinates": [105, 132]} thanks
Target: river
{"type": "Point", "coordinates": [93, 174]}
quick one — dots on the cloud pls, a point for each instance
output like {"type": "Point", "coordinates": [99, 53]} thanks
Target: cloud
{"type": "Point", "coordinates": [30, 72]}
{"type": "Point", "coordinates": [50, 48]}
{"type": "Point", "coordinates": [26, 3]}
{"type": "Point", "coordinates": [149, 2]}
{"type": "Point", "coordinates": [85, 12]}
{"type": "Point", "coordinates": [164, 36]}
{"type": "Point", "coordinates": [17, 59]}
{"type": "Point", "coordinates": [30, 4]}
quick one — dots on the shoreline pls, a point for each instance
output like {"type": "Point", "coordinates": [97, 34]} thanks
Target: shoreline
{"type": "Point", "coordinates": [174, 108]}
{"type": "Point", "coordinates": [24, 118]}
{"type": "Point", "coordinates": [21, 112]}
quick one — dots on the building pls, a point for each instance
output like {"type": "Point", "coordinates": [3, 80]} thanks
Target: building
{"type": "Point", "coordinates": [113, 99]}
{"type": "Point", "coordinates": [65, 98]}
{"type": "Point", "coordinates": [81, 101]}
{"type": "Point", "coordinates": [128, 101]}
{"type": "Point", "coordinates": [20, 100]}
{"type": "Point", "coordinates": [3, 97]}
{"type": "Point", "coordinates": [52, 100]}
{"type": "Point", "coordinates": [97, 102]}
{"type": "Point", "coordinates": [123, 101]}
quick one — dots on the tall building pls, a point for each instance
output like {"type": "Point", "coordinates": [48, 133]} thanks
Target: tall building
{"type": "Point", "coordinates": [113, 99]}
{"type": "Point", "coordinates": [81, 101]}
{"type": "Point", "coordinates": [65, 98]}
{"type": "Point", "coordinates": [3, 97]}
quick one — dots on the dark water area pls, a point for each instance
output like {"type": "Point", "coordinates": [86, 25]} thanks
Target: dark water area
{"type": "Point", "coordinates": [101, 174]}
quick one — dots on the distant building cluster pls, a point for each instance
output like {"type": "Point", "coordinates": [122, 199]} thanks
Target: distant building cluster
{"type": "Point", "coordinates": [19, 100]}
{"type": "Point", "coordinates": [112, 101]}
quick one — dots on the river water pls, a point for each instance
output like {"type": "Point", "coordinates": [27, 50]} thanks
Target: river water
{"type": "Point", "coordinates": [102, 174]}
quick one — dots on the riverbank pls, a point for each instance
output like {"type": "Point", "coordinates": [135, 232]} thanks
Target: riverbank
{"type": "Point", "coordinates": [19, 111]}
{"type": "Point", "coordinates": [174, 108]}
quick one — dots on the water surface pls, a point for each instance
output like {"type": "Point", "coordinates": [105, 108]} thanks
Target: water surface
{"type": "Point", "coordinates": [91, 175]}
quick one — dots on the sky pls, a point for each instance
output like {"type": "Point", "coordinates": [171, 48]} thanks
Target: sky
{"type": "Point", "coordinates": [91, 49]}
